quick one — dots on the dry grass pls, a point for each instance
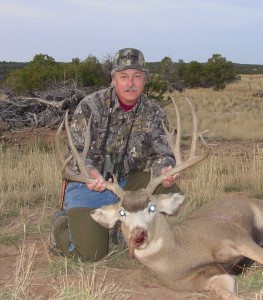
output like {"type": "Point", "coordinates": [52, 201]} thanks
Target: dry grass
{"type": "Point", "coordinates": [85, 285]}
{"type": "Point", "coordinates": [29, 176]}
{"type": "Point", "coordinates": [30, 184]}
{"type": "Point", "coordinates": [230, 114]}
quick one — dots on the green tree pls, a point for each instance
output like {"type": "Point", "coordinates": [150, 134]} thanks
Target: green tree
{"type": "Point", "coordinates": [167, 72]}
{"type": "Point", "coordinates": [219, 71]}
{"type": "Point", "coordinates": [108, 65]}
{"type": "Point", "coordinates": [39, 74]}
{"type": "Point", "coordinates": [92, 73]}
{"type": "Point", "coordinates": [181, 69]}
{"type": "Point", "coordinates": [155, 88]}
{"type": "Point", "coordinates": [75, 61]}
{"type": "Point", "coordinates": [73, 71]}
{"type": "Point", "coordinates": [44, 70]}
{"type": "Point", "coordinates": [194, 74]}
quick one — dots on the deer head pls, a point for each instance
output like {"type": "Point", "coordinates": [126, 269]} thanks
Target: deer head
{"type": "Point", "coordinates": [137, 211]}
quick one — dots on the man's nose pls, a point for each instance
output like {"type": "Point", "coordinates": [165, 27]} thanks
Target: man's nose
{"type": "Point", "coordinates": [130, 81]}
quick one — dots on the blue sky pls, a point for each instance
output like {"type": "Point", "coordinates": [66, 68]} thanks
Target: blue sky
{"type": "Point", "coordinates": [181, 29]}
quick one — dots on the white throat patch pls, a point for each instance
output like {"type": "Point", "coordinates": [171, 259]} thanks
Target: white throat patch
{"type": "Point", "coordinates": [151, 249]}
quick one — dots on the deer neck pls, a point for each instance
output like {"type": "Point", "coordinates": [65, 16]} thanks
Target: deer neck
{"type": "Point", "coordinates": [158, 241]}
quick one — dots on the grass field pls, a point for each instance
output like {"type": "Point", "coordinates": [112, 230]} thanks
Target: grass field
{"type": "Point", "coordinates": [232, 114]}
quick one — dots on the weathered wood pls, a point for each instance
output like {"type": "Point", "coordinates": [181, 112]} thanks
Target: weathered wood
{"type": "Point", "coordinates": [40, 109]}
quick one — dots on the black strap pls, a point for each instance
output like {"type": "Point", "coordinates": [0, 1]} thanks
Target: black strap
{"type": "Point", "coordinates": [104, 142]}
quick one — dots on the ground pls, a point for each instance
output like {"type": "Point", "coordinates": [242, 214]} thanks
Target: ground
{"type": "Point", "coordinates": [135, 280]}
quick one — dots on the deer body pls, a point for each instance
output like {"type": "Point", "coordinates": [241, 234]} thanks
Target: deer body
{"type": "Point", "coordinates": [219, 238]}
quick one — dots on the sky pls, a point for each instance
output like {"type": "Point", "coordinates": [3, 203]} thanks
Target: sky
{"type": "Point", "coordinates": [191, 30]}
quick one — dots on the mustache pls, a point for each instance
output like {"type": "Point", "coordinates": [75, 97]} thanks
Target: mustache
{"type": "Point", "coordinates": [130, 89]}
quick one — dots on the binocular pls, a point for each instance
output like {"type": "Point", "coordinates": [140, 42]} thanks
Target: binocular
{"type": "Point", "coordinates": [113, 165]}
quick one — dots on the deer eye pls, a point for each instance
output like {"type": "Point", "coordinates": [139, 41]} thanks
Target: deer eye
{"type": "Point", "coordinates": [122, 213]}
{"type": "Point", "coordinates": [151, 209]}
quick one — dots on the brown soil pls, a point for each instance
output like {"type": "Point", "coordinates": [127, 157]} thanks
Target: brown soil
{"type": "Point", "coordinates": [23, 137]}
{"type": "Point", "coordinates": [134, 279]}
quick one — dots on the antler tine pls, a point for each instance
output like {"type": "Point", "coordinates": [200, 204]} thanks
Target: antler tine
{"type": "Point", "coordinates": [175, 145]}
{"type": "Point", "coordinates": [195, 129]}
{"type": "Point", "coordinates": [175, 141]}
{"type": "Point", "coordinates": [80, 159]}
{"type": "Point", "coordinates": [59, 151]}
{"type": "Point", "coordinates": [66, 172]}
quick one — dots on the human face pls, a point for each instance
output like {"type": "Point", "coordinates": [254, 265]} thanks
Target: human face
{"type": "Point", "coordinates": [129, 85]}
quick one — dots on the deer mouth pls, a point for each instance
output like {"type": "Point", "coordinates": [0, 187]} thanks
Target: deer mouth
{"type": "Point", "coordinates": [137, 240]}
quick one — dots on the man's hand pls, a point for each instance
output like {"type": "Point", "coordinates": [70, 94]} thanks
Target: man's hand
{"type": "Point", "coordinates": [99, 184]}
{"type": "Point", "coordinates": [171, 179]}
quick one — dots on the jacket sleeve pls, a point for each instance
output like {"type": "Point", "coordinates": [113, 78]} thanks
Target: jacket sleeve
{"type": "Point", "coordinates": [160, 153]}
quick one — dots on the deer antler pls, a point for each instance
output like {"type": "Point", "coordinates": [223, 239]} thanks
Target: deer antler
{"type": "Point", "coordinates": [83, 175]}
{"type": "Point", "coordinates": [174, 143]}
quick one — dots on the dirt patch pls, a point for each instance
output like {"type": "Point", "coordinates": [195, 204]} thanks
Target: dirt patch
{"type": "Point", "coordinates": [28, 136]}
{"type": "Point", "coordinates": [134, 280]}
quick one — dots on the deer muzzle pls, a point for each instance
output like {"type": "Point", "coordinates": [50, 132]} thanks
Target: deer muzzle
{"type": "Point", "coordinates": [137, 239]}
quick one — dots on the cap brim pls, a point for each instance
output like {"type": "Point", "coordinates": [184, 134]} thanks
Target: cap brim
{"type": "Point", "coordinates": [136, 67]}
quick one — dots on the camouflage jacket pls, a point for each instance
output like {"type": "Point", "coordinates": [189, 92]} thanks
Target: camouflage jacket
{"type": "Point", "coordinates": [147, 147]}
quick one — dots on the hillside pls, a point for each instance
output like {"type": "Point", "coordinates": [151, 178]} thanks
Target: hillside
{"type": "Point", "coordinates": [6, 67]}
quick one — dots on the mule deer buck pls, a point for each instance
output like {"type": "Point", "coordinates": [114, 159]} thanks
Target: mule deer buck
{"type": "Point", "coordinates": [198, 254]}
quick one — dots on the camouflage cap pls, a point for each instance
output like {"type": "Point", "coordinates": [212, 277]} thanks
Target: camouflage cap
{"type": "Point", "coordinates": [129, 58]}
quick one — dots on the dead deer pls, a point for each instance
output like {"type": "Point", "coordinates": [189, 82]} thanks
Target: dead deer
{"type": "Point", "coordinates": [198, 254]}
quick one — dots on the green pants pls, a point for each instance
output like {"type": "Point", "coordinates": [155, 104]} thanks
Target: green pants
{"type": "Point", "coordinates": [78, 235]}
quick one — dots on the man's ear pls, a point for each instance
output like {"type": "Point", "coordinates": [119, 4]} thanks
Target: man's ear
{"type": "Point", "coordinates": [106, 216]}
{"type": "Point", "coordinates": [168, 203]}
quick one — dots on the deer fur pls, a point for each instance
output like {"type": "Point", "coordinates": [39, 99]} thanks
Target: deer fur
{"type": "Point", "coordinates": [198, 254]}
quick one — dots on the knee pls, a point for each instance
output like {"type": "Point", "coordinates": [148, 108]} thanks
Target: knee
{"type": "Point", "coordinates": [78, 235]}
{"type": "Point", "coordinates": [89, 240]}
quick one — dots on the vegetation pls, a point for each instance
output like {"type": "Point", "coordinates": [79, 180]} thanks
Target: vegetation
{"type": "Point", "coordinates": [166, 75]}
{"type": "Point", "coordinates": [43, 71]}
{"type": "Point", "coordinates": [219, 71]}
{"type": "Point", "coordinates": [249, 69]}
{"type": "Point", "coordinates": [7, 67]}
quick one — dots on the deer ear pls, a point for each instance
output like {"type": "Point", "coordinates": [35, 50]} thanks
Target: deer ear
{"type": "Point", "coordinates": [106, 216]}
{"type": "Point", "coordinates": [168, 203]}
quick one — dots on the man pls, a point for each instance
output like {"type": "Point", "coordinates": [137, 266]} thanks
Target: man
{"type": "Point", "coordinates": [127, 140]}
